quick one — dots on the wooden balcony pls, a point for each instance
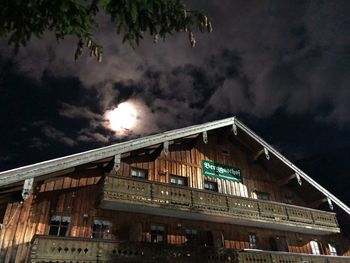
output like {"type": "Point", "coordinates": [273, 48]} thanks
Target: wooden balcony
{"type": "Point", "coordinates": [120, 193]}
{"type": "Point", "coordinates": [285, 257]}
{"type": "Point", "coordinates": [78, 250]}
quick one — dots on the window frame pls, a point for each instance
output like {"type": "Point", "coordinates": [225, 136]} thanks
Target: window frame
{"type": "Point", "coordinates": [100, 232]}
{"type": "Point", "coordinates": [156, 241]}
{"type": "Point", "coordinates": [140, 170]}
{"type": "Point", "coordinates": [332, 249]}
{"type": "Point", "coordinates": [176, 177]}
{"type": "Point", "coordinates": [315, 247]}
{"type": "Point", "coordinates": [262, 194]}
{"type": "Point", "coordinates": [60, 226]}
{"type": "Point", "coordinates": [192, 238]}
{"type": "Point", "coordinates": [253, 241]}
{"type": "Point", "coordinates": [215, 184]}
{"type": "Point", "coordinates": [289, 200]}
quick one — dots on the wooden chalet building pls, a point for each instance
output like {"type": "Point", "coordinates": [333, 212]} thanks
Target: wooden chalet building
{"type": "Point", "coordinates": [214, 192]}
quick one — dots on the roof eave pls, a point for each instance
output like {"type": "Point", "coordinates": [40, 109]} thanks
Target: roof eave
{"type": "Point", "coordinates": [54, 165]}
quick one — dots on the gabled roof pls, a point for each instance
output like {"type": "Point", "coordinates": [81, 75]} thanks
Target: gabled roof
{"type": "Point", "coordinates": [55, 165]}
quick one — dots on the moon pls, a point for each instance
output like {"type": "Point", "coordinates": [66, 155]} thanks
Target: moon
{"type": "Point", "coordinates": [122, 118]}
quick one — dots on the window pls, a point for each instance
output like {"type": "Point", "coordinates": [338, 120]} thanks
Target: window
{"type": "Point", "coordinates": [288, 200]}
{"type": "Point", "coordinates": [332, 250]}
{"type": "Point", "coordinates": [101, 229]}
{"type": "Point", "coordinates": [191, 236]}
{"type": "Point", "coordinates": [315, 247]}
{"type": "Point", "coordinates": [212, 186]}
{"type": "Point", "coordinates": [178, 180]}
{"type": "Point", "coordinates": [278, 243]}
{"type": "Point", "coordinates": [59, 225]}
{"type": "Point", "coordinates": [262, 195]}
{"type": "Point", "coordinates": [157, 234]}
{"type": "Point", "coordinates": [206, 238]}
{"type": "Point", "coordinates": [252, 241]}
{"type": "Point", "coordinates": [138, 173]}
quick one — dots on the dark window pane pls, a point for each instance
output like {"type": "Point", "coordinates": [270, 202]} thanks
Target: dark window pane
{"type": "Point", "coordinates": [65, 224]}
{"type": "Point", "coordinates": [179, 180]}
{"type": "Point", "coordinates": [96, 235]}
{"type": "Point", "coordinates": [55, 222]}
{"type": "Point", "coordinates": [212, 186]}
{"type": "Point", "coordinates": [53, 230]}
{"type": "Point", "coordinates": [95, 227]}
{"type": "Point", "coordinates": [59, 225]}
{"type": "Point", "coordinates": [192, 236]}
{"type": "Point", "coordinates": [63, 231]}
{"type": "Point", "coordinates": [252, 241]}
{"type": "Point", "coordinates": [101, 229]}
{"type": "Point", "coordinates": [138, 173]}
{"type": "Point", "coordinates": [157, 234]}
{"type": "Point", "coordinates": [262, 195]}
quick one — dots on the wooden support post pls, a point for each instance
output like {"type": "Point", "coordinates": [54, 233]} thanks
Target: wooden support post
{"type": "Point", "coordinates": [298, 178]}
{"type": "Point", "coordinates": [205, 137]}
{"type": "Point", "coordinates": [234, 129]}
{"type": "Point", "coordinates": [257, 155]}
{"type": "Point", "coordinates": [116, 162]}
{"type": "Point", "coordinates": [267, 155]}
{"type": "Point", "coordinates": [27, 188]}
{"type": "Point", "coordinates": [262, 151]}
{"type": "Point", "coordinates": [166, 147]}
{"type": "Point", "coordinates": [330, 203]}
{"type": "Point", "coordinates": [286, 180]}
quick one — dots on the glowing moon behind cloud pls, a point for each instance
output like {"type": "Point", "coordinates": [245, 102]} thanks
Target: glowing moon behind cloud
{"type": "Point", "coordinates": [122, 118]}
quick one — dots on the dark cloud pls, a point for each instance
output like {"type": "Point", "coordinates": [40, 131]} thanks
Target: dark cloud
{"type": "Point", "coordinates": [37, 143]}
{"type": "Point", "coordinates": [264, 59]}
{"type": "Point", "coordinates": [55, 134]}
{"type": "Point", "coordinates": [85, 135]}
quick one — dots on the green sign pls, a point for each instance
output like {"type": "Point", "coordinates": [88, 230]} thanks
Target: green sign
{"type": "Point", "coordinates": [221, 171]}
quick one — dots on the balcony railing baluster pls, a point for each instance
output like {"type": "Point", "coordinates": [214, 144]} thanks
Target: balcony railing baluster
{"type": "Point", "coordinates": [121, 189]}
{"type": "Point", "coordinates": [74, 249]}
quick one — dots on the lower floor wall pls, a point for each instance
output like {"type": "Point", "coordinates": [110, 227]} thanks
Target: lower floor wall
{"type": "Point", "coordinates": [74, 212]}
{"type": "Point", "coordinates": [76, 250]}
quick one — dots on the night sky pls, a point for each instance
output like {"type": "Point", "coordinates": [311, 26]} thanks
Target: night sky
{"type": "Point", "coordinates": [282, 67]}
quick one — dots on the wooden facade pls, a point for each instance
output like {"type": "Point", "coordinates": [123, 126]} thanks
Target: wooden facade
{"type": "Point", "coordinates": [289, 225]}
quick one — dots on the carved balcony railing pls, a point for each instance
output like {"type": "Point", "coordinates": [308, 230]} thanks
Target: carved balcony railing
{"type": "Point", "coordinates": [78, 250]}
{"type": "Point", "coordinates": [122, 193]}
{"type": "Point", "coordinates": [285, 257]}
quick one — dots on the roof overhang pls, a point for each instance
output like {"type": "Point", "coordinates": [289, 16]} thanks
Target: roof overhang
{"type": "Point", "coordinates": [52, 166]}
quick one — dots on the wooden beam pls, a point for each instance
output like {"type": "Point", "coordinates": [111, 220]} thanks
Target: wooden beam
{"type": "Point", "coordinates": [264, 151]}
{"type": "Point", "coordinates": [205, 137]}
{"type": "Point", "coordinates": [234, 129]}
{"type": "Point", "coordinates": [258, 154]}
{"type": "Point", "coordinates": [166, 147]}
{"type": "Point", "coordinates": [10, 197]}
{"type": "Point", "coordinates": [317, 203]}
{"type": "Point", "coordinates": [27, 188]}
{"type": "Point", "coordinates": [17, 188]}
{"type": "Point", "coordinates": [117, 162]}
{"type": "Point", "coordinates": [286, 180]}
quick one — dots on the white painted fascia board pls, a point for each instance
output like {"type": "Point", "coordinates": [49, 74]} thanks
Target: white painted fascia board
{"type": "Point", "coordinates": [292, 166]}
{"type": "Point", "coordinates": [54, 165]}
